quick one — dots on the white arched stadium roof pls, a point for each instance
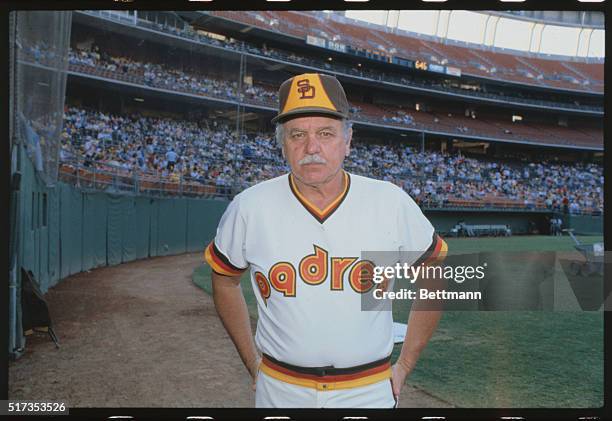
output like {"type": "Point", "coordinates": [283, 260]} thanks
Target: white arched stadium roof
{"type": "Point", "coordinates": [493, 30]}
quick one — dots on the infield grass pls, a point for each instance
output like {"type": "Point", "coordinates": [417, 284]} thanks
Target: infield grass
{"type": "Point", "coordinates": [500, 359]}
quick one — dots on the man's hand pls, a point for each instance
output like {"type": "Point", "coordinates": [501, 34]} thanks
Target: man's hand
{"type": "Point", "coordinates": [233, 312]}
{"type": "Point", "coordinates": [399, 372]}
{"type": "Point", "coordinates": [254, 370]}
{"type": "Point", "coordinates": [422, 323]}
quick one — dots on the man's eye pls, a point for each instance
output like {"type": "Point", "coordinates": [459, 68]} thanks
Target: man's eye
{"type": "Point", "coordinates": [326, 134]}
{"type": "Point", "coordinates": [297, 135]}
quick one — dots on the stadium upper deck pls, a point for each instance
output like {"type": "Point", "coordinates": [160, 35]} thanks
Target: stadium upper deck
{"type": "Point", "coordinates": [473, 60]}
{"type": "Point", "coordinates": [440, 119]}
{"type": "Point", "coordinates": [296, 57]}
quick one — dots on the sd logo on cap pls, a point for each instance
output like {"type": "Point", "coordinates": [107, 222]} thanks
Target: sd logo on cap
{"type": "Point", "coordinates": [311, 93]}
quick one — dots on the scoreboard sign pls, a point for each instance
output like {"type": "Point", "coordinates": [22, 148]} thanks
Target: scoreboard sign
{"type": "Point", "coordinates": [420, 65]}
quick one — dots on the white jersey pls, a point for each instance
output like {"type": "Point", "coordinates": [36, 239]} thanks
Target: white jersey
{"type": "Point", "coordinates": [305, 265]}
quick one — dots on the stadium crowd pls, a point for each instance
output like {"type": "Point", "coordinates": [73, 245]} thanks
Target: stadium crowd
{"type": "Point", "coordinates": [208, 152]}
{"type": "Point", "coordinates": [194, 82]}
{"type": "Point", "coordinates": [165, 77]}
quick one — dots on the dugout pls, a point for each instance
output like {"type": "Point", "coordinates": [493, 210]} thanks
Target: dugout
{"type": "Point", "coordinates": [520, 222]}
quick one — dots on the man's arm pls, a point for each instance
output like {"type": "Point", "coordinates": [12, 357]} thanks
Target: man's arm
{"type": "Point", "coordinates": [232, 310]}
{"type": "Point", "coordinates": [422, 323]}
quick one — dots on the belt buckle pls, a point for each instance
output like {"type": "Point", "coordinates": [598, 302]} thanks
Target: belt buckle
{"type": "Point", "coordinates": [322, 371]}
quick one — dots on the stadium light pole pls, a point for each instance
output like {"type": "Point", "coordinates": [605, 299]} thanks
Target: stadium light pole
{"type": "Point", "coordinates": [241, 72]}
{"type": "Point", "coordinates": [448, 21]}
{"type": "Point", "coordinates": [589, 43]}
{"type": "Point", "coordinates": [494, 31]}
{"type": "Point", "coordinates": [422, 141]}
{"type": "Point", "coordinates": [484, 32]}
{"type": "Point", "coordinates": [578, 41]}
{"type": "Point", "coordinates": [540, 40]}
{"type": "Point", "coordinates": [531, 31]}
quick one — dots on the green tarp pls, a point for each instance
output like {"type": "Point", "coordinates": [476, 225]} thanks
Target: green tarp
{"type": "Point", "coordinates": [141, 222]}
{"type": "Point", "coordinates": [114, 228]}
{"type": "Point", "coordinates": [71, 222]}
{"type": "Point", "coordinates": [173, 230]}
{"type": "Point", "coordinates": [153, 226]}
{"type": "Point", "coordinates": [584, 224]}
{"type": "Point", "coordinates": [54, 236]}
{"type": "Point", "coordinates": [203, 215]}
{"type": "Point", "coordinates": [94, 230]}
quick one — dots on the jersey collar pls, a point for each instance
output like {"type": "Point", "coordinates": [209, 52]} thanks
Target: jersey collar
{"type": "Point", "coordinates": [321, 215]}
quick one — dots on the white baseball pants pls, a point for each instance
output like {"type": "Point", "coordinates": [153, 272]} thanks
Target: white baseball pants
{"type": "Point", "coordinates": [273, 393]}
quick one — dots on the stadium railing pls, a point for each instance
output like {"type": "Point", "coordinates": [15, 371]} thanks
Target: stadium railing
{"type": "Point", "coordinates": [101, 176]}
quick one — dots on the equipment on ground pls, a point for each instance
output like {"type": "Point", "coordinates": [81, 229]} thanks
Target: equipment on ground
{"type": "Point", "coordinates": [593, 255]}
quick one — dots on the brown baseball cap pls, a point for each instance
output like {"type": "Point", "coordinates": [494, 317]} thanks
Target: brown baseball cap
{"type": "Point", "coordinates": [311, 93]}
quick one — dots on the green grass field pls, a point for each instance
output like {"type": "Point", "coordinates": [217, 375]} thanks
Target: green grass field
{"type": "Point", "coordinates": [503, 359]}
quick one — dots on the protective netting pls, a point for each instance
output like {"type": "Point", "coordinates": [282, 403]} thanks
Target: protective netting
{"type": "Point", "coordinates": [40, 41]}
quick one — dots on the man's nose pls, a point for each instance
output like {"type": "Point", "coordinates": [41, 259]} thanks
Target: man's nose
{"type": "Point", "coordinates": [312, 144]}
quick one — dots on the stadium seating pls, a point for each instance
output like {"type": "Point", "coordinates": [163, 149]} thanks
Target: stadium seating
{"type": "Point", "coordinates": [433, 178]}
{"type": "Point", "coordinates": [477, 61]}
{"type": "Point", "coordinates": [594, 72]}
{"type": "Point", "coordinates": [437, 121]}
{"type": "Point", "coordinates": [228, 165]}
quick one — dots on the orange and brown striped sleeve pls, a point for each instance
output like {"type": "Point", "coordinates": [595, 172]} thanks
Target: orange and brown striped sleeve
{"type": "Point", "coordinates": [435, 254]}
{"type": "Point", "coordinates": [219, 262]}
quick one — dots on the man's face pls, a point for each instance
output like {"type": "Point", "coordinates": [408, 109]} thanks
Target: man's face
{"type": "Point", "coordinates": [315, 148]}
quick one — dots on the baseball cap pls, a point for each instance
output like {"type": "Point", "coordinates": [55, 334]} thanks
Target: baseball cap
{"type": "Point", "coordinates": [311, 93]}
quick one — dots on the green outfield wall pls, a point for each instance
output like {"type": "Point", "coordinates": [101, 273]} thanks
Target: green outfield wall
{"type": "Point", "coordinates": [583, 224]}
{"type": "Point", "coordinates": [64, 230]}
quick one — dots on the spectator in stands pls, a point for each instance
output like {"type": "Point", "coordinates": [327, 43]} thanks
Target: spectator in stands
{"type": "Point", "coordinates": [171, 157]}
{"type": "Point", "coordinates": [565, 202]}
{"type": "Point", "coordinates": [574, 208]}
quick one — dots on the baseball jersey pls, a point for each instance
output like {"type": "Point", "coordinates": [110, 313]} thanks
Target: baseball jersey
{"type": "Point", "coordinates": [306, 267]}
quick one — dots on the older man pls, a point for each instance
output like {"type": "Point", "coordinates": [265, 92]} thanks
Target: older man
{"type": "Point", "coordinates": [302, 236]}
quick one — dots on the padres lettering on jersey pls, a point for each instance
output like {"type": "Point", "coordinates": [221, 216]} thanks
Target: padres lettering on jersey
{"type": "Point", "coordinates": [305, 265]}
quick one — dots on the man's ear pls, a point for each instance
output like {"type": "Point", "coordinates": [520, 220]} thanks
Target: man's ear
{"type": "Point", "coordinates": [283, 150]}
{"type": "Point", "coordinates": [348, 142]}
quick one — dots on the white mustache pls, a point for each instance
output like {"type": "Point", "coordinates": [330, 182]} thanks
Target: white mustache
{"type": "Point", "coordinates": [312, 159]}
